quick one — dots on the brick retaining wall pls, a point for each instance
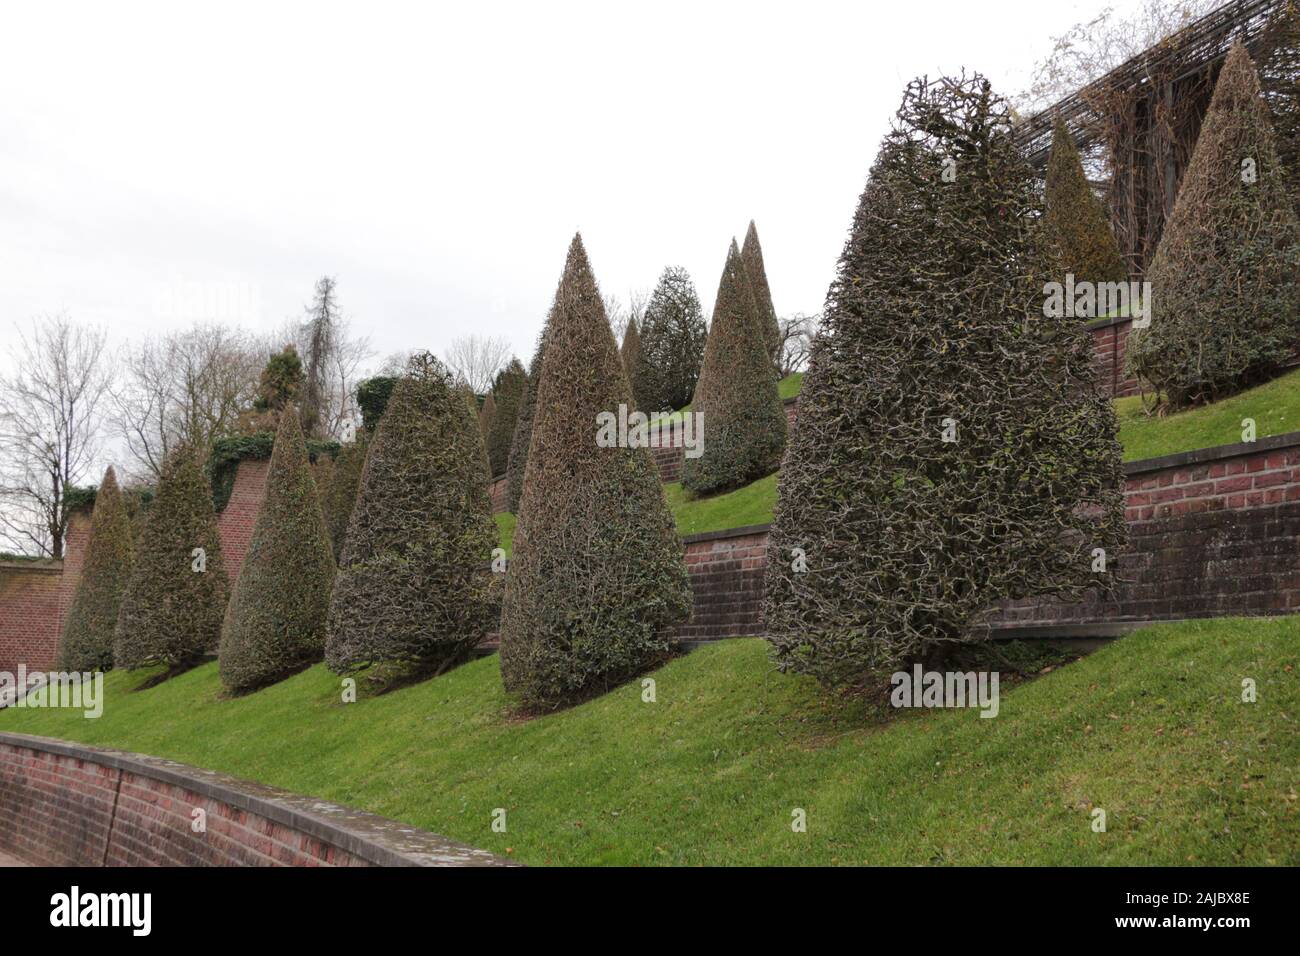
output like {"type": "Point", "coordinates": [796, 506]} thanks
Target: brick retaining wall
{"type": "Point", "coordinates": [29, 613]}
{"type": "Point", "coordinates": [1109, 337]}
{"type": "Point", "coordinates": [63, 804]}
{"type": "Point", "coordinates": [236, 521]}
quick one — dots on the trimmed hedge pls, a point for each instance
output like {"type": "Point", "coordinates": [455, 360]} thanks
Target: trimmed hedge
{"type": "Point", "coordinates": [1225, 279]}
{"type": "Point", "coordinates": [171, 612]}
{"type": "Point", "coordinates": [751, 254]}
{"type": "Point", "coordinates": [87, 642]}
{"type": "Point", "coordinates": [953, 449]}
{"type": "Point", "coordinates": [275, 623]}
{"type": "Point", "coordinates": [1076, 229]}
{"type": "Point", "coordinates": [341, 495]}
{"type": "Point", "coordinates": [598, 571]}
{"type": "Point", "coordinates": [523, 435]}
{"type": "Point", "coordinates": [743, 417]}
{"type": "Point", "coordinates": [412, 584]}
{"type": "Point", "coordinates": [507, 395]}
{"type": "Point", "coordinates": [673, 335]}
{"type": "Point", "coordinates": [634, 365]}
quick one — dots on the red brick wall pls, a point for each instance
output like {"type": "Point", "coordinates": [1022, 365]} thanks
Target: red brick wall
{"type": "Point", "coordinates": [236, 522]}
{"type": "Point", "coordinates": [29, 614]}
{"type": "Point", "coordinates": [1108, 342]}
{"type": "Point", "coordinates": [1212, 533]}
{"type": "Point", "coordinates": [65, 805]}
{"type": "Point", "coordinates": [497, 490]}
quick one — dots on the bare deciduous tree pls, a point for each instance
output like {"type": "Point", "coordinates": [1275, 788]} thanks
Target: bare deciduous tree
{"type": "Point", "coordinates": [319, 355]}
{"type": "Point", "coordinates": [49, 431]}
{"type": "Point", "coordinates": [476, 359]}
{"type": "Point", "coordinates": [621, 313]}
{"type": "Point", "coordinates": [182, 388]}
{"type": "Point", "coordinates": [797, 333]}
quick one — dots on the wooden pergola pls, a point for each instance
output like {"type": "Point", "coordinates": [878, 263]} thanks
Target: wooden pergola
{"type": "Point", "coordinates": [1142, 118]}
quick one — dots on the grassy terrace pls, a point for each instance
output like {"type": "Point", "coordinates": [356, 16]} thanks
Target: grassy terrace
{"type": "Point", "coordinates": [1275, 406]}
{"type": "Point", "coordinates": [1151, 728]}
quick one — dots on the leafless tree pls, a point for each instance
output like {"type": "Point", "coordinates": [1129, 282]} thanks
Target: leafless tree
{"type": "Point", "coordinates": [622, 312]}
{"type": "Point", "coordinates": [320, 353]}
{"type": "Point", "coordinates": [476, 359]}
{"type": "Point", "coordinates": [343, 358]}
{"type": "Point", "coordinates": [797, 333]}
{"type": "Point", "coordinates": [184, 387]}
{"type": "Point", "coordinates": [1089, 50]}
{"type": "Point", "coordinates": [49, 430]}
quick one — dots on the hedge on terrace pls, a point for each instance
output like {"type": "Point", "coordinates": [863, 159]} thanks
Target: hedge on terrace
{"type": "Point", "coordinates": [341, 495]}
{"type": "Point", "coordinates": [176, 596]}
{"type": "Point", "coordinates": [523, 435]}
{"type": "Point", "coordinates": [275, 623]}
{"type": "Point", "coordinates": [751, 254]}
{"type": "Point", "coordinates": [957, 453]}
{"type": "Point", "coordinates": [87, 642]}
{"type": "Point", "coordinates": [412, 585]}
{"type": "Point", "coordinates": [1076, 229]}
{"type": "Point", "coordinates": [743, 418]}
{"type": "Point", "coordinates": [673, 333]}
{"type": "Point", "coordinates": [507, 394]}
{"type": "Point", "coordinates": [1225, 279]}
{"type": "Point", "coordinates": [598, 572]}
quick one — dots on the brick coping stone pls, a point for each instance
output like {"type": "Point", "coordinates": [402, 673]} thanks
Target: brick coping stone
{"type": "Point", "coordinates": [378, 840]}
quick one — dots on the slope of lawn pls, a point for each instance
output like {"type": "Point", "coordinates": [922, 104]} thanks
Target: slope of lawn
{"type": "Point", "coordinates": [1275, 407]}
{"type": "Point", "coordinates": [1152, 729]}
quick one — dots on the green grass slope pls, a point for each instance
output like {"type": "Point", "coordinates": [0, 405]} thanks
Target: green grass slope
{"type": "Point", "coordinates": [1152, 729]}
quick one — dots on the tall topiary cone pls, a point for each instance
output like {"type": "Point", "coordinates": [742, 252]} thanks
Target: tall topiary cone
{"type": "Point", "coordinates": [174, 601]}
{"type": "Point", "coordinates": [341, 494]}
{"type": "Point", "coordinates": [1076, 229]}
{"type": "Point", "coordinates": [1225, 279]}
{"type": "Point", "coordinates": [87, 643]}
{"type": "Point", "coordinates": [751, 254]}
{"type": "Point", "coordinates": [598, 573]}
{"type": "Point", "coordinates": [952, 450]}
{"type": "Point", "coordinates": [275, 624]}
{"type": "Point", "coordinates": [743, 418]}
{"type": "Point", "coordinates": [412, 585]}
{"type": "Point", "coordinates": [523, 433]}
{"type": "Point", "coordinates": [486, 416]}
{"type": "Point", "coordinates": [507, 395]}
{"type": "Point", "coordinates": [634, 364]}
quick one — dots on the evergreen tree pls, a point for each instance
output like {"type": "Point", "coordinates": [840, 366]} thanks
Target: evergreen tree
{"type": "Point", "coordinates": [673, 334]}
{"type": "Point", "coordinates": [507, 394]}
{"type": "Point", "coordinates": [281, 380]}
{"type": "Point", "coordinates": [1076, 229]}
{"type": "Point", "coordinates": [87, 642]}
{"type": "Point", "coordinates": [959, 453]}
{"type": "Point", "coordinates": [341, 493]}
{"type": "Point", "coordinates": [275, 623]}
{"type": "Point", "coordinates": [743, 417]}
{"type": "Point", "coordinates": [751, 254]}
{"type": "Point", "coordinates": [634, 365]}
{"type": "Point", "coordinates": [1225, 279]}
{"type": "Point", "coordinates": [411, 585]}
{"type": "Point", "coordinates": [175, 598]}
{"type": "Point", "coordinates": [523, 435]}
{"type": "Point", "coordinates": [597, 574]}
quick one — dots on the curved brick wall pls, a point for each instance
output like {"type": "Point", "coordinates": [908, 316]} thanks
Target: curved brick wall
{"type": "Point", "coordinates": [64, 804]}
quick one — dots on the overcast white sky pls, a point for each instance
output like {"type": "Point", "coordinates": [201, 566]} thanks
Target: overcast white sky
{"type": "Point", "coordinates": [160, 161]}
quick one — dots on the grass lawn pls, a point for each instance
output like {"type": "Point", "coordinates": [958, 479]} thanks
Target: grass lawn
{"type": "Point", "coordinates": [1151, 728]}
{"type": "Point", "coordinates": [1275, 406]}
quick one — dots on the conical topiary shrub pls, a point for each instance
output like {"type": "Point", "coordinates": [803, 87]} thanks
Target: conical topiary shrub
{"type": "Point", "coordinates": [1076, 229]}
{"type": "Point", "coordinates": [1225, 279]}
{"type": "Point", "coordinates": [87, 642]}
{"type": "Point", "coordinates": [598, 573]}
{"type": "Point", "coordinates": [673, 334]}
{"type": "Point", "coordinates": [176, 596]}
{"type": "Point", "coordinates": [507, 394]}
{"type": "Point", "coordinates": [523, 435]}
{"type": "Point", "coordinates": [952, 450]}
{"type": "Point", "coordinates": [487, 414]}
{"type": "Point", "coordinates": [751, 254]}
{"type": "Point", "coordinates": [634, 365]}
{"type": "Point", "coordinates": [743, 419]}
{"type": "Point", "coordinates": [275, 624]}
{"type": "Point", "coordinates": [413, 585]}
{"type": "Point", "coordinates": [341, 493]}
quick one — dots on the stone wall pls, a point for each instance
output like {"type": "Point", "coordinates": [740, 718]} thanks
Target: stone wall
{"type": "Point", "coordinates": [63, 804]}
